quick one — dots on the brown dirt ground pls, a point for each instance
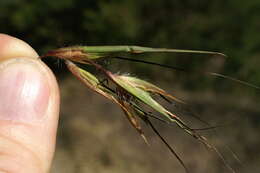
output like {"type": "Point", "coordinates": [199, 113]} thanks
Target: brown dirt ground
{"type": "Point", "coordinates": [95, 137]}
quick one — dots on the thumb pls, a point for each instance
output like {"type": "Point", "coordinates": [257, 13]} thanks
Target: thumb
{"type": "Point", "coordinates": [29, 107]}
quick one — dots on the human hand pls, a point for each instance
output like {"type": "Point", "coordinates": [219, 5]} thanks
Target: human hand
{"type": "Point", "coordinates": [29, 109]}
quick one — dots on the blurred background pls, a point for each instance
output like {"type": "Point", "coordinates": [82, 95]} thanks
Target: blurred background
{"type": "Point", "coordinates": [94, 135]}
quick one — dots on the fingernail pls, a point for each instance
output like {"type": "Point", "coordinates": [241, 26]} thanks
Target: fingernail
{"type": "Point", "coordinates": [24, 90]}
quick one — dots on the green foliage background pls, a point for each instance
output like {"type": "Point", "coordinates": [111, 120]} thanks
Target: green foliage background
{"type": "Point", "coordinates": [231, 27]}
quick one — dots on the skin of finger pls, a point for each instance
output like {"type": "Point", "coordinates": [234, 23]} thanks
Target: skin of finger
{"type": "Point", "coordinates": [12, 47]}
{"type": "Point", "coordinates": [28, 147]}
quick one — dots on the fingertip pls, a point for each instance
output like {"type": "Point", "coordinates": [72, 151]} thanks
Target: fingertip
{"type": "Point", "coordinates": [11, 47]}
{"type": "Point", "coordinates": [29, 105]}
{"type": "Point", "coordinates": [27, 87]}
